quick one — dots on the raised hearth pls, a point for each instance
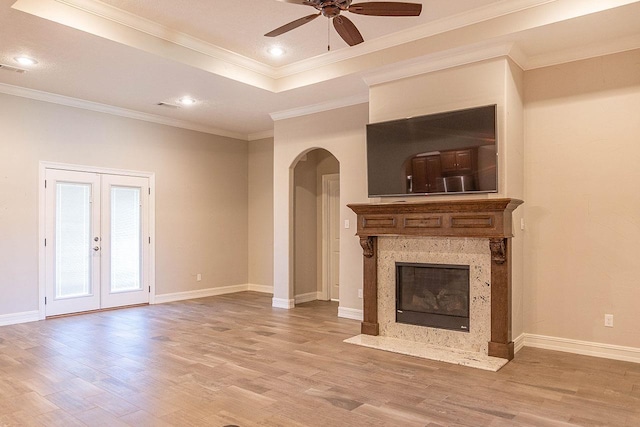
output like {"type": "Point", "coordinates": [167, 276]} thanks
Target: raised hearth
{"type": "Point", "coordinates": [488, 219]}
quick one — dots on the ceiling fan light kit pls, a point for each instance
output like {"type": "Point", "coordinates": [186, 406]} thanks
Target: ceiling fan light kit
{"type": "Point", "coordinates": [332, 9]}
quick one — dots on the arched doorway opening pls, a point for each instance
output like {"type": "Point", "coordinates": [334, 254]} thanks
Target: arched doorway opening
{"type": "Point", "coordinates": [316, 231]}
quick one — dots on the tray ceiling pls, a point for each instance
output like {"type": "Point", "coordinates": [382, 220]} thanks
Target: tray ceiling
{"type": "Point", "coordinates": [126, 57]}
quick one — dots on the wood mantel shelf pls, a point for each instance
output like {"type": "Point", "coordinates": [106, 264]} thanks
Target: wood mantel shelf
{"type": "Point", "coordinates": [485, 218]}
{"type": "Point", "coordinates": [462, 218]}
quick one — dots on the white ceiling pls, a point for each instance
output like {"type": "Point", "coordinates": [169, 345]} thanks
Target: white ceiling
{"type": "Point", "coordinates": [124, 56]}
{"type": "Point", "coordinates": [239, 25]}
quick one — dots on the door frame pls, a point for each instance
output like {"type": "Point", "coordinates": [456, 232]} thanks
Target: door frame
{"type": "Point", "coordinates": [326, 227]}
{"type": "Point", "coordinates": [42, 168]}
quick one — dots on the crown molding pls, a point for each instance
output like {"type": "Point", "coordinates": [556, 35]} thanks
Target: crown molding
{"type": "Point", "coordinates": [429, 29]}
{"type": "Point", "coordinates": [152, 38]}
{"type": "Point", "coordinates": [260, 135]}
{"type": "Point", "coordinates": [172, 35]}
{"type": "Point", "coordinates": [101, 19]}
{"type": "Point", "coordinates": [441, 61]}
{"type": "Point", "coordinates": [490, 50]}
{"type": "Point", "coordinates": [518, 56]}
{"type": "Point", "coordinates": [320, 107]}
{"type": "Point", "coordinates": [115, 111]}
{"type": "Point", "coordinates": [586, 52]}
{"type": "Point", "coordinates": [115, 24]}
{"type": "Point", "coordinates": [484, 51]}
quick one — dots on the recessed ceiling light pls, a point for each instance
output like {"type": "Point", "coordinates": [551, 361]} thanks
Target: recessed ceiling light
{"type": "Point", "coordinates": [276, 51]}
{"type": "Point", "coordinates": [186, 100]}
{"type": "Point", "coordinates": [25, 60]}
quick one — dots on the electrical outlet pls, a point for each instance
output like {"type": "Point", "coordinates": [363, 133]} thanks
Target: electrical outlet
{"type": "Point", "coordinates": [346, 223]}
{"type": "Point", "coordinates": [608, 320]}
{"type": "Point", "coordinates": [198, 277]}
{"type": "Point", "coordinates": [359, 293]}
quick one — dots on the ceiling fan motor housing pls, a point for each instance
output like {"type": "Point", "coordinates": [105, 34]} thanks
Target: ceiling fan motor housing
{"type": "Point", "coordinates": [343, 4]}
{"type": "Point", "coordinates": [330, 11]}
{"type": "Point", "coordinates": [319, 4]}
{"type": "Point", "coordinates": [330, 8]}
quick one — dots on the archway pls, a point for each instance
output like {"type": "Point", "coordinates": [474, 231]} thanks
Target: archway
{"type": "Point", "coordinates": [316, 232]}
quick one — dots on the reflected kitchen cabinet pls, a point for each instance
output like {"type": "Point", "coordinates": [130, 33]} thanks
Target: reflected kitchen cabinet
{"type": "Point", "coordinates": [425, 171]}
{"type": "Point", "coordinates": [458, 162]}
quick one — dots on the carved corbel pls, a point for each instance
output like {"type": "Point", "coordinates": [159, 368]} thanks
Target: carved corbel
{"type": "Point", "coordinates": [367, 246]}
{"type": "Point", "coordinates": [498, 250]}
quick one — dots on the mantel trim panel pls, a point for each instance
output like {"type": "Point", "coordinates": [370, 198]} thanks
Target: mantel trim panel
{"type": "Point", "coordinates": [490, 218]}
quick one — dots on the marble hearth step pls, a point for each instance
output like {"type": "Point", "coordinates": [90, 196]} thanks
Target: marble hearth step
{"type": "Point", "coordinates": [426, 351]}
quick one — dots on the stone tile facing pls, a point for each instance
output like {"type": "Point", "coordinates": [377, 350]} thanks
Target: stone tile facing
{"type": "Point", "coordinates": [437, 250]}
{"type": "Point", "coordinates": [425, 351]}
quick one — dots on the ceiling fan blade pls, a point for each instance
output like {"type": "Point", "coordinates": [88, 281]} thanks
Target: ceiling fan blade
{"type": "Point", "coordinates": [302, 2]}
{"type": "Point", "coordinates": [347, 30]}
{"type": "Point", "coordinates": [386, 8]}
{"type": "Point", "coordinates": [292, 25]}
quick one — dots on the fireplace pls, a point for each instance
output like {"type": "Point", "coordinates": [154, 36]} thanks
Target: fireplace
{"type": "Point", "coordinates": [434, 295]}
{"type": "Point", "coordinates": [441, 232]}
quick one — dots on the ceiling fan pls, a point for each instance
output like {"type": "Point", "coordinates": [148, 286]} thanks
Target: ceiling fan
{"type": "Point", "coordinates": [345, 28]}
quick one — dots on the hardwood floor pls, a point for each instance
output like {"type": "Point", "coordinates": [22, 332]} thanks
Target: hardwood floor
{"type": "Point", "coordinates": [234, 360]}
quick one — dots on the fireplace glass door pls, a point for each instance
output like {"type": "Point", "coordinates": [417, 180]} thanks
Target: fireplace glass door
{"type": "Point", "coordinates": [434, 295]}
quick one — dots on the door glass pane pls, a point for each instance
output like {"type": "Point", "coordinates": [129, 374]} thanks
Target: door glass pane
{"type": "Point", "coordinates": [73, 240]}
{"type": "Point", "coordinates": [125, 239]}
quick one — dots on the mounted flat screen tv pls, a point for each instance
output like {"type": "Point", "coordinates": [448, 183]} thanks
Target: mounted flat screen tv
{"type": "Point", "coordinates": [443, 153]}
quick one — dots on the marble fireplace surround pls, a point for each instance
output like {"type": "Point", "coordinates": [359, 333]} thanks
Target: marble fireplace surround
{"type": "Point", "coordinates": [477, 222]}
{"type": "Point", "coordinates": [436, 250]}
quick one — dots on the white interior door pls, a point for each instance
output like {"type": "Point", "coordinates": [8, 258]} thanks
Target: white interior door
{"type": "Point", "coordinates": [97, 253]}
{"type": "Point", "coordinates": [334, 237]}
{"type": "Point", "coordinates": [72, 242]}
{"type": "Point", "coordinates": [125, 255]}
{"type": "Point", "coordinates": [331, 236]}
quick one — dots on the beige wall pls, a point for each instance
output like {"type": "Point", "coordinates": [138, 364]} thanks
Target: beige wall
{"type": "Point", "coordinates": [482, 83]}
{"type": "Point", "coordinates": [582, 210]}
{"type": "Point", "coordinates": [497, 81]}
{"type": "Point", "coordinates": [201, 193]}
{"type": "Point", "coordinates": [582, 199]}
{"type": "Point", "coordinates": [512, 148]}
{"type": "Point", "coordinates": [342, 133]}
{"type": "Point", "coordinates": [261, 212]}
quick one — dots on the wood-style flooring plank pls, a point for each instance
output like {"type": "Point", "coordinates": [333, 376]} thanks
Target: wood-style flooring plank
{"type": "Point", "coordinates": [235, 360]}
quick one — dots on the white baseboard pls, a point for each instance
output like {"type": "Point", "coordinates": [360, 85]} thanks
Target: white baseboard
{"type": "Point", "coordinates": [310, 296]}
{"type": "Point", "coordinates": [350, 313]}
{"type": "Point", "coordinates": [211, 292]}
{"type": "Point", "coordinates": [200, 293]}
{"type": "Point", "coordinates": [266, 289]}
{"type": "Point", "coordinates": [587, 348]}
{"type": "Point", "coordinates": [283, 303]}
{"type": "Point", "coordinates": [33, 316]}
{"type": "Point", "coordinates": [518, 343]}
{"type": "Point", "coordinates": [15, 318]}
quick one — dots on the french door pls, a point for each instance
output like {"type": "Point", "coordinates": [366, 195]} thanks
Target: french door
{"type": "Point", "coordinates": [97, 250]}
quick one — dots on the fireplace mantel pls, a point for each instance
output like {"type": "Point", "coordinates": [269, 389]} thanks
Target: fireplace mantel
{"type": "Point", "coordinates": [485, 219]}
